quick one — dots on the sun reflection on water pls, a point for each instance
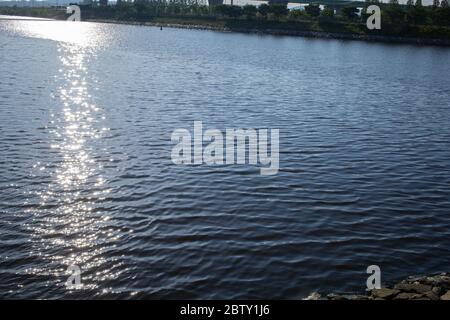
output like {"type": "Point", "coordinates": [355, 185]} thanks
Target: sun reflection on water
{"type": "Point", "coordinates": [84, 34]}
{"type": "Point", "coordinates": [70, 226]}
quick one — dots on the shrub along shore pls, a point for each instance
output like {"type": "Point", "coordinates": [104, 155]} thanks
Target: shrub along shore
{"type": "Point", "coordinates": [412, 23]}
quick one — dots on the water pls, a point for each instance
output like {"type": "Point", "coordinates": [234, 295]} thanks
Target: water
{"type": "Point", "coordinates": [87, 111]}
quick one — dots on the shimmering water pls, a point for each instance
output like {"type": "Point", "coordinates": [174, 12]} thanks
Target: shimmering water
{"type": "Point", "coordinates": [86, 115]}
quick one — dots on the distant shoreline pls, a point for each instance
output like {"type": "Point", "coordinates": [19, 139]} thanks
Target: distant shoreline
{"type": "Point", "coordinates": [240, 26]}
{"type": "Point", "coordinates": [284, 32]}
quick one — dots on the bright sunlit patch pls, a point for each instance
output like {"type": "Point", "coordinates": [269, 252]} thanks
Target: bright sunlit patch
{"type": "Point", "coordinates": [77, 33]}
{"type": "Point", "coordinates": [69, 222]}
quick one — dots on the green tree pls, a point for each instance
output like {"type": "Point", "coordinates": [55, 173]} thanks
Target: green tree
{"type": "Point", "coordinates": [436, 3]}
{"type": "Point", "coordinates": [296, 13]}
{"type": "Point", "coordinates": [441, 16]}
{"type": "Point", "coordinates": [278, 9]}
{"type": "Point", "coordinates": [234, 11]}
{"type": "Point", "coordinates": [263, 9]}
{"type": "Point", "coordinates": [249, 10]}
{"type": "Point", "coordinates": [229, 11]}
{"type": "Point", "coordinates": [418, 3]}
{"type": "Point", "coordinates": [393, 14]}
{"type": "Point", "coordinates": [349, 12]}
{"type": "Point", "coordinates": [313, 10]}
{"type": "Point", "coordinates": [416, 15]}
{"type": "Point", "coordinates": [328, 12]}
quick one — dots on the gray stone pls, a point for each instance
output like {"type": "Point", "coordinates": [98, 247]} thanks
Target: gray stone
{"type": "Point", "coordinates": [384, 293]}
{"type": "Point", "coordinates": [444, 281]}
{"type": "Point", "coordinates": [437, 290]}
{"type": "Point", "coordinates": [432, 296]}
{"type": "Point", "coordinates": [415, 287]}
{"type": "Point", "coordinates": [333, 296]}
{"type": "Point", "coordinates": [413, 279]}
{"type": "Point", "coordinates": [357, 297]}
{"type": "Point", "coordinates": [446, 296]}
{"type": "Point", "coordinates": [439, 281]}
{"type": "Point", "coordinates": [314, 296]}
{"type": "Point", "coordinates": [404, 296]}
{"type": "Point", "coordinates": [432, 287]}
{"type": "Point", "coordinates": [433, 281]}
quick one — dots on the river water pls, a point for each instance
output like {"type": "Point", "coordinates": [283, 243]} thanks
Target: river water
{"type": "Point", "coordinates": [86, 178]}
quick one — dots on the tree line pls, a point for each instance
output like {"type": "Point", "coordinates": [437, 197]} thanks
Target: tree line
{"type": "Point", "coordinates": [392, 13]}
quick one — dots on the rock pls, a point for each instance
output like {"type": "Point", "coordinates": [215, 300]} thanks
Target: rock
{"type": "Point", "coordinates": [432, 296]}
{"type": "Point", "coordinates": [314, 296]}
{"type": "Point", "coordinates": [415, 287]}
{"type": "Point", "coordinates": [446, 296]}
{"type": "Point", "coordinates": [333, 296]}
{"type": "Point", "coordinates": [358, 297]}
{"type": "Point", "coordinates": [404, 296]}
{"type": "Point", "coordinates": [384, 293]}
{"type": "Point", "coordinates": [413, 279]}
{"type": "Point", "coordinates": [444, 281]}
{"type": "Point", "coordinates": [432, 281]}
{"type": "Point", "coordinates": [437, 290]}
{"type": "Point", "coordinates": [434, 287]}
{"type": "Point", "coordinates": [355, 297]}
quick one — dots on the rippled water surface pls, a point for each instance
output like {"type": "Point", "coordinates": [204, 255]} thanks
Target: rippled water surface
{"type": "Point", "coordinates": [86, 115]}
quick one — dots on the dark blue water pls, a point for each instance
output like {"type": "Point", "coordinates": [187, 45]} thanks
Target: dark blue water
{"type": "Point", "coordinates": [86, 116]}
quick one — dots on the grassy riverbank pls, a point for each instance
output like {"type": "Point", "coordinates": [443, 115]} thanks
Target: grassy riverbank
{"type": "Point", "coordinates": [413, 23]}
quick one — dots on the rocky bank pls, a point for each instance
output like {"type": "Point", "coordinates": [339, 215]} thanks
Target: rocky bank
{"type": "Point", "coordinates": [435, 287]}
